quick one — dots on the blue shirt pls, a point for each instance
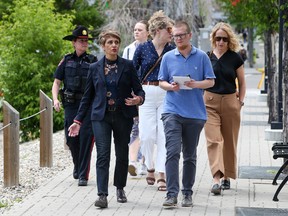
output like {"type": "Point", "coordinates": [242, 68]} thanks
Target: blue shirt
{"type": "Point", "coordinates": [186, 103]}
{"type": "Point", "coordinates": [145, 57]}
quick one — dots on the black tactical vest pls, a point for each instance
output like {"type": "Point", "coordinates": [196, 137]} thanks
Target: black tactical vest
{"type": "Point", "coordinates": [76, 72]}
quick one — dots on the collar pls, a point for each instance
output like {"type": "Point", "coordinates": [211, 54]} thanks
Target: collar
{"type": "Point", "coordinates": [81, 56]}
{"type": "Point", "coordinates": [193, 51]}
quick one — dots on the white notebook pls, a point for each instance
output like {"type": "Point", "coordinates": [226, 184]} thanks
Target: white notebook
{"type": "Point", "coordinates": [180, 80]}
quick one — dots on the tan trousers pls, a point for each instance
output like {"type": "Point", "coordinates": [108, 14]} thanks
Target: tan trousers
{"type": "Point", "coordinates": [221, 131]}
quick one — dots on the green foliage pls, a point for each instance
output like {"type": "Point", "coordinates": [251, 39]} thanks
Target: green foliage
{"type": "Point", "coordinates": [253, 13]}
{"type": "Point", "coordinates": [284, 9]}
{"type": "Point", "coordinates": [4, 7]}
{"type": "Point", "coordinates": [87, 15]}
{"type": "Point", "coordinates": [3, 204]}
{"type": "Point", "coordinates": [31, 47]}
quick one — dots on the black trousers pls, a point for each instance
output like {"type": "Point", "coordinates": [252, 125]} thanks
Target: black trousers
{"type": "Point", "coordinates": [117, 124]}
{"type": "Point", "coordinates": [82, 145]}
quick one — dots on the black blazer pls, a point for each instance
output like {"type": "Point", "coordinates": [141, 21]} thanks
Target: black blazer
{"type": "Point", "coordinates": [95, 91]}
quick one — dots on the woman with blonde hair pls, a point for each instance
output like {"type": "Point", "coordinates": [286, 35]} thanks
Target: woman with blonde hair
{"type": "Point", "coordinates": [147, 59]}
{"type": "Point", "coordinates": [223, 103]}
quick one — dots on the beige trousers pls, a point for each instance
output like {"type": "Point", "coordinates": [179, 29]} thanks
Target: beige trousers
{"type": "Point", "coordinates": [221, 131]}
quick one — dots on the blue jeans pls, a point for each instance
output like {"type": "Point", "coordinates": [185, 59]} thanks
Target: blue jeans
{"type": "Point", "coordinates": [181, 134]}
{"type": "Point", "coordinates": [121, 127]}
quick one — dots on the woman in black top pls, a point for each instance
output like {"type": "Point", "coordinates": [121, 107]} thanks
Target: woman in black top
{"type": "Point", "coordinates": [223, 103]}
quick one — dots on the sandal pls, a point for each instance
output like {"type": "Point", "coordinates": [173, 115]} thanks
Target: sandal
{"type": "Point", "coordinates": [161, 187]}
{"type": "Point", "coordinates": [150, 180]}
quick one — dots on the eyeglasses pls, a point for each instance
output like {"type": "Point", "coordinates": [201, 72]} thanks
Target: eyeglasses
{"type": "Point", "coordinates": [225, 39]}
{"type": "Point", "coordinates": [180, 36]}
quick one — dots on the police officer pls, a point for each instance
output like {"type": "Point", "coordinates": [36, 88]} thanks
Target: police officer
{"type": "Point", "coordinates": [72, 71]}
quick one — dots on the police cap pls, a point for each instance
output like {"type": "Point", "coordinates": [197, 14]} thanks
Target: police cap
{"type": "Point", "coordinates": [78, 32]}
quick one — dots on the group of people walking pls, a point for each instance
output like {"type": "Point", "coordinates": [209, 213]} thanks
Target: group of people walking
{"type": "Point", "coordinates": [136, 99]}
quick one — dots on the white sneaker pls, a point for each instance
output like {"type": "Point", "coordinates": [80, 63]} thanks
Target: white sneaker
{"type": "Point", "coordinates": [142, 169]}
{"type": "Point", "coordinates": [132, 169]}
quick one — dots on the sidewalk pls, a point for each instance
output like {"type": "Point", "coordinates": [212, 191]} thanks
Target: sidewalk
{"type": "Point", "coordinates": [62, 196]}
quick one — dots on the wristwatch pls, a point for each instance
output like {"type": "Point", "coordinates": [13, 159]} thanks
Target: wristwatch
{"type": "Point", "coordinates": [242, 103]}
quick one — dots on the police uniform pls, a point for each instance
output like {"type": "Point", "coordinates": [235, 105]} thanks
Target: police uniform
{"type": "Point", "coordinates": [73, 71]}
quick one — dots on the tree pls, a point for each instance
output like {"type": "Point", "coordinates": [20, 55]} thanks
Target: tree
{"type": "Point", "coordinates": [4, 7]}
{"type": "Point", "coordinates": [89, 15]}
{"type": "Point", "coordinates": [84, 12]}
{"type": "Point", "coordinates": [285, 74]}
{"type": "Point", "coordinates": [31, 47]}
{"type": "Point", "coordinates": [123, 14]}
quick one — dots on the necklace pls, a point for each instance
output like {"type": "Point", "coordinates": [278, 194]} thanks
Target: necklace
{"type": "Point", "coordinates": [110, 67]}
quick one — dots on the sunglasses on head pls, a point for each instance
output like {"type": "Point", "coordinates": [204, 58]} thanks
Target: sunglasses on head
{"type": "Point", "coordinates": [225, 39]}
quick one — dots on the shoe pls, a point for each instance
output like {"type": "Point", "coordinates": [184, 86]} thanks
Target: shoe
{"type": "Point", "coordinates": [101, 202]}
{"type": "Point", "coordinates": [142, 169]}
{"type": "Point", "coordinates": [132, 169]}
{"type": "Point", "coordinates": [150, 180]}
{"type": "Point", "coordinates": [75, 173]}
{"type": "Point", "coordinates": [82, 182]}
{"type": "Point", "coordinates": [121, 197]}
{"type": "Point", "coordinates": [225, 184]}
{"type": "Point", "coordinates": [170, 202]}
{"type": "Point", "coordinates": [216, 189]}
{"type": "Point", "coordinates": [186, 201]}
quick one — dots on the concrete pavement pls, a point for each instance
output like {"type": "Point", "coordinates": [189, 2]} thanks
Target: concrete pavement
{"type": "Point", "coordinates": [62, 196]}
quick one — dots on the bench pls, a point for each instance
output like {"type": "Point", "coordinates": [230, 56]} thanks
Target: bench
{"type": "Point", "coordinates": [280, 151]}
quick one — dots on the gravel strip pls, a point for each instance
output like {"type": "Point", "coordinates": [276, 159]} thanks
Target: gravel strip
{"type": "Point", "coordinates": [31, 175]}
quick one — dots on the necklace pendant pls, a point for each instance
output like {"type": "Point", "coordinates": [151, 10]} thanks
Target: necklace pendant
{"type": "Point", "coordinates": [109, 94]}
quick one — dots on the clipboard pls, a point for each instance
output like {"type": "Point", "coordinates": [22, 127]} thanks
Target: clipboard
{"type": "Point", "coordinates": [180, 80]}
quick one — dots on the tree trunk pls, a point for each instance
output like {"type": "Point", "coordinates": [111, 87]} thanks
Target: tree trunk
{"type": "Point", "coordinates": [250, 47]}
{"type": "Point", "coordinates": [285, 80]}
{"type": "Point", "coordinates": [270, 60]}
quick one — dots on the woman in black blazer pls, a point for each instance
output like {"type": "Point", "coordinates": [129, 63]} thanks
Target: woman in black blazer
{"type": "Point", "coordinates": [113, 90]}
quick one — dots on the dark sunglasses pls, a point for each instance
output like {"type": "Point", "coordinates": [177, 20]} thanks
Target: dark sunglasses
{"type": "Point", "coordinates": [225, 39]}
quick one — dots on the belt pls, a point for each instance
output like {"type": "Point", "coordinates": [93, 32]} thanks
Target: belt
{"type": "Point", "coordinates": [113, 108]}
{"type": "Point", "coordinates": [154, 83]}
